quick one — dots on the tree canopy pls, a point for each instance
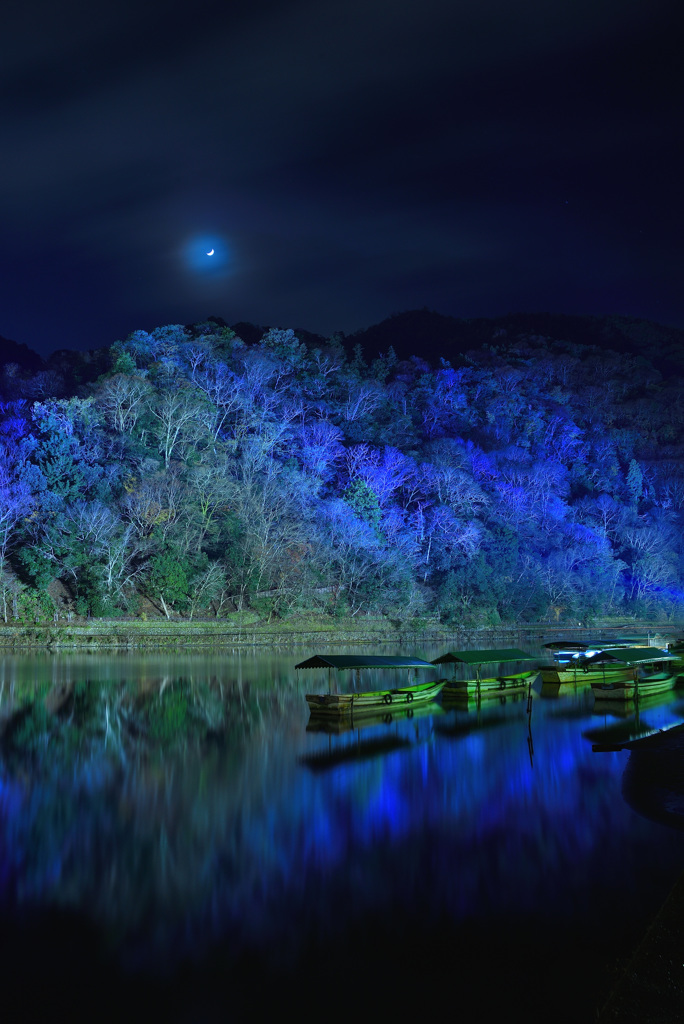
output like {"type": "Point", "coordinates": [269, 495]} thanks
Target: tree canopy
{"type": "Point", "coordinates": [530, 477]}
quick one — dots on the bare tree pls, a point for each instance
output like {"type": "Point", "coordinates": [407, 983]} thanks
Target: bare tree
{"type": "Point", "coordinates": [91, 524]}
{"type": "Point", "coordinates": [156, 505]}
{"type": "Point", "coordinates": [363, 398]}
{"type": "Point", "coordinates": [322, 447]}
{"type": "Point", "coordinates": [211, 488]}
{"type": "Point", "coordinates": [123, 398]}
{"type": "Point", "coordinates": [119, 571]}
{"type": "Point", "coordinates": [222, 388]}
{"type": "Point", "coordinates": [209, 587]}
{"type": "Point", "coordinates": [177, 420]}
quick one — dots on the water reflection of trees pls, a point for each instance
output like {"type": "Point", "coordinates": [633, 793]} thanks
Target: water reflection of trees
{"type": "Point", "coordinates": [124, 720]}
{"type": "Point", "coordinates": [126, 798]}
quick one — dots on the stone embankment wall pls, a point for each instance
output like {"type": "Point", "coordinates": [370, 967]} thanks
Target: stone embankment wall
{"type": "Point", "coordinates": [118, 635]}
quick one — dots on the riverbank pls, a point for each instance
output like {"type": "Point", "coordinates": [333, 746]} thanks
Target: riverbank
{"type": "Point", "coordinates": [650, 985]}
{"type": "Point", "coordinates": [248, 631]}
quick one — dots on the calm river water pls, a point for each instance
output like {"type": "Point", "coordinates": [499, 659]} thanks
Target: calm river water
{"type": "Point", "coordinates": [171, 832]}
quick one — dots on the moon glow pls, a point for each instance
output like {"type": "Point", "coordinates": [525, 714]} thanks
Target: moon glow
{"type": "Point", "coordinates": [207, 255]}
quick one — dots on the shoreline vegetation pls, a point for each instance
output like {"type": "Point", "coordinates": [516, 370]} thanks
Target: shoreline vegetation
{"type": "Point", "coordinates": [119, 634]}
{"type": "Point", "coordinates": [189, 473]}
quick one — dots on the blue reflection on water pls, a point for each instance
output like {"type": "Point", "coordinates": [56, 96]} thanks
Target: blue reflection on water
{"type": "Point", "coordinates": [248, 842]}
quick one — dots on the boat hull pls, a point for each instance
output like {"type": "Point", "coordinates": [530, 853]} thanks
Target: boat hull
{"type": "Point", "coordinates": [576, 676]}
{"type": "Point", "coordinates": [494, 686]}
{"type": "Point", "coordinates": [629, 689]}
{"type": "Point", "coordinates": [338, 704]}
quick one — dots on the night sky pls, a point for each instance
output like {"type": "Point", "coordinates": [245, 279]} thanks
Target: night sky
{"type": "Point", "coordinates": [345, 159]}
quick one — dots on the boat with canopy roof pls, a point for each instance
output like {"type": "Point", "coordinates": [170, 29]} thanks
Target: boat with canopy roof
{"type": "Point", "coordinates": [570, 667]}
{"type": "Point", "coordinates": [648, 670]}
{"type": "Point", "coordinates": [500, 684]}
{"type": "Point", "coordinates": [356, 702]}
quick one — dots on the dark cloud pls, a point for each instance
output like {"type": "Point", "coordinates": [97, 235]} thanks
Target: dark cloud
{"type": "Point", "coordinates": [355, 158]}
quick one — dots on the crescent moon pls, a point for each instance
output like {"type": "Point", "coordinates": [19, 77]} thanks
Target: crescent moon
{"type": "Point", "coordinates": [210, 253]}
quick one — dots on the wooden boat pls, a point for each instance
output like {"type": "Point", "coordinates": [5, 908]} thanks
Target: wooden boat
{"type": "Point", "coordinates": [645, 678]}
{"type": "Point", "coordinates": [488, 686]}
{"type": "Point", "coordinates": [371, 702]}
{"type": "Point", "coordinates": [354, 703]}
{"type": "Point", "coordinates": [632, 689]}
{"type": "Point", "coordinates": [579, 672]}
{"type": "Point", "coordinates": [570, 668]}
{"type": "Point", "coordinates": [563, 650]}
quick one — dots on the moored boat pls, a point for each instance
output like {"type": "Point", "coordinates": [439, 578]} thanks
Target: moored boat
{"type": "Point", "coordinates": [497, 685]}
{"type": "Point", "coordinates": [359, 702]}
{"type": "Point", "coordinates": [632, 689]}
{"type": "Point", "coordinates": [578, 673]}
{"type": "Point", "coordinates": [372, 701]}
{"type": "Point", "coordinates": [650, 672]}
{"type": "Point", "coordinates": [563, 650]}
{"type": "Point", "coordinates": [571, 666]}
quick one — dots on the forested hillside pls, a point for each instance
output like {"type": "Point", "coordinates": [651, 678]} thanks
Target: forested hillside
{"type": "Point", "coordinates": [197, 475]}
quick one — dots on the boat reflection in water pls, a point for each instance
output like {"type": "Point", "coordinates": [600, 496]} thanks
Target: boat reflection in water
{"type": "Point", "coordinates": [631, 720]}
{"type": "Point", "coordinates": [472, 715]}
{"type": "Point", "coordinates": [653, 780]}
{"type": "Point", "coordinates": [370, 736]}
{"type": "Point", "coordinates": [652, 730]}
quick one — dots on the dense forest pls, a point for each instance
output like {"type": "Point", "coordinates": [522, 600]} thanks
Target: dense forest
{"type": "Point", "coordinates": [201, 470]}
